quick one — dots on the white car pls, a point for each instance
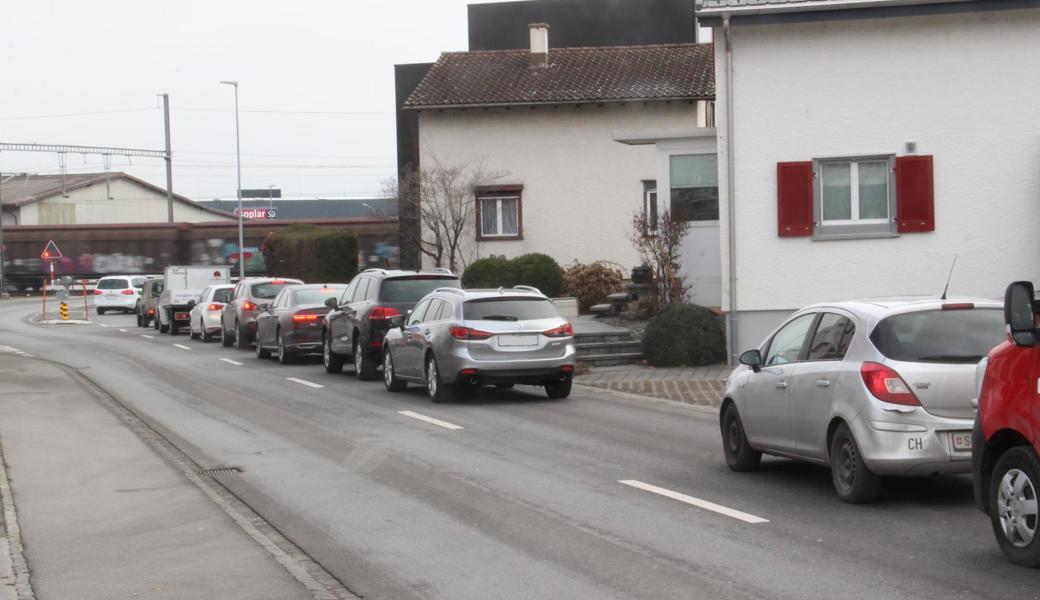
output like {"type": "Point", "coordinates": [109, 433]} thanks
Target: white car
{"type": "Point", "coordinates": [118, 292]}
{"type": "Point", "coordinates": [205, 315]}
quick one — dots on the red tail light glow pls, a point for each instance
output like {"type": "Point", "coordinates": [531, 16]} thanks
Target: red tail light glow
{"type": "Point", "coordinates": [958, 306]}
{"type": "Point", "coordinates": [151, 311]}
{"type": "Point", "coordinates": [305, 318]}
{"type": "Point", "coordinates": [98, 292]}
{"type": "Point", "coordinates": [382, 312]}
{"type": "Point", "coordinates": [127, 292]}
{"type": "Point", "coordinates": [214, 307]}
{"type": "Point", "coordinates": [465, 333]}
{"type": "Point", "coordinates": [887, 385]}
{"type": "Point", "coordinates": [564, 330]}
{"type": "Point", "coordinates": [248, 306]}
{"type": "Point", "coordinates": [278, 282]}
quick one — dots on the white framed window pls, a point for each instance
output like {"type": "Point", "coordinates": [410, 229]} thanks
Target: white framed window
{"type": "Point", "coordinates": [500, 213]}
{"type": "Point", "coordinates": [650, 206]}
{"type": "Point", "coordinates": [694, 187]}
{"type": "Point", "coordinates": [854, 197]}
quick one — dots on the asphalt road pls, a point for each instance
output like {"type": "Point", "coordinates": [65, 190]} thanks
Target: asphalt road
{"type": "Point", "coordinates": [524, 497]}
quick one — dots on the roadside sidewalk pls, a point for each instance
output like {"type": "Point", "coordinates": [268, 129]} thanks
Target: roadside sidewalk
{"type": "Point", "coordinates": [702, 386]}
{"type": "Point", "coordinates": [101, 515]}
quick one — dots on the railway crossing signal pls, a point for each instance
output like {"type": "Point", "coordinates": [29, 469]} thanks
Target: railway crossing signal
{"type": "Point", "coordinates": [51, 252]}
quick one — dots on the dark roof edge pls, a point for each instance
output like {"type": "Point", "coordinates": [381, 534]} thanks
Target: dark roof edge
{"type": "Point", "coordinates": [557, 103]}
{"type": "Point", "coordinates": [793, 13]}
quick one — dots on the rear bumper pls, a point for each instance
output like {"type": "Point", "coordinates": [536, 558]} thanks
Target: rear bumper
{"type": "Point", "coordinates": [914, 446]}
{"type": "Point", "coordinates": [303, 340]}
{"type": "Point", "coordinates": [521, 376]}
{"type": "Point", "coordinates": [124, 302]}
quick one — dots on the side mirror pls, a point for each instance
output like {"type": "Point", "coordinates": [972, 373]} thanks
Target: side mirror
{"type": "Point", "coordinates": [1019, 313]}
{"type": "Point", "coordinates": [753, 359]}
{"type": "Point", "coordinates": [331, 303]}
{"type": "Point", "coordinates": [397, 321]}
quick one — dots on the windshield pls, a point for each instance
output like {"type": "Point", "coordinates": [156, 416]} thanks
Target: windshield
{"type": "Point", "coordinates": [270, 289]}
{"type": "Point", "coordinates": [947, 336]}
{"type": "Point", "coordinates": [408, 290]}
{"type": "Point", "coordinates": [316, 295]}
{"type": "Point", "coordinates": [113, 284]}
{"type": "Point", "coordinates": [509, 309]}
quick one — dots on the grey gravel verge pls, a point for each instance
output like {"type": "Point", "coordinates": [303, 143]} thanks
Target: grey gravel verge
{"type": "Point", "coordinates": [14, 570]}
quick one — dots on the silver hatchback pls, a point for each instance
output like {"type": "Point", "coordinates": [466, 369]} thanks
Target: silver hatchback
{"type": "Point", "coordinates": [870, 388]}
{"type": "Point", "coordinates": [455, 341]}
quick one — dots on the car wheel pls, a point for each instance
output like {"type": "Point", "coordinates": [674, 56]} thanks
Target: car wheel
{"type": "Point", "coordinates": [241, 343]}
{"type": "Point", "coordinates": [364, 367]}
{"type": "Point", "coordinates": [162, 328]}
{"type": "Point", "coordinates": [100, 311]}
{"type": "Point", "coordinates": [137, 313]}
{"type": "Point", "coordinates": [332, 361]}
{"type": "Point", "coordinates": [390, 378]}
{"type": "Point", "coordinates": [558, 390]}
{"type": "Point", "coordinates": [740, 456]}
{"type": "Point", "coordinates": [284, 356]}
{"type": "Point", "coordinates": [191, 332]}
{"type": "Point", "coordinates": [175, 327]}
{"type": "Point", "coordinates": [260, 352]}
{"type": "Point", "coordinates": [204, 335]}
{"type": "Point", "coordinates": [225, 339]}
{"type": "Point", "coordinates": [1013, 505]}
{"type": "Point", "coordinates": [852, 479]}
{"type": "Point", "coordinates": [436, 390]}
{"type": "Point", "coordinates": [155, 322]}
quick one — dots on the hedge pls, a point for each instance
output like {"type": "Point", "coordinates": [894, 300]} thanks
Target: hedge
{"type": "Point", "coordinates": [311, 253]}
{"type": "Point", "coordinates": [538, 270]}
{"type": "Point", "coordinates": [684, 335]}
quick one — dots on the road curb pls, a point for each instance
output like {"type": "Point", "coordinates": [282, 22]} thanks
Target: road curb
{"type": "Point", "coordinates": [14, 569]}
{"type": "Point", "coordinates": [709, 410]}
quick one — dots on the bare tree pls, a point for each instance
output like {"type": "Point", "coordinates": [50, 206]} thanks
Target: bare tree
{"type": "Point", "coordinates": [446, 197]}
{"type": "Point", "coordinates": [659, 249]}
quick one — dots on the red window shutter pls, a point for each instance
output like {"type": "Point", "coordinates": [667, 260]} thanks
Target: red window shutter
{"type": "Point", "coordinates": [915, 205]}
{"type": "Point", "coordinates": [794, 196]}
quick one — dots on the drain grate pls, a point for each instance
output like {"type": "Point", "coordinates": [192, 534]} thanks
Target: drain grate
{"type": "Point", "coordinates": [219, 472]}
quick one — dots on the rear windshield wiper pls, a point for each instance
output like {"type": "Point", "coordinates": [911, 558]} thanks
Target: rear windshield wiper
{"type": "Point", "coordinates": [500, 318]}
{"type": "Point", "coordinates": [957, 358]}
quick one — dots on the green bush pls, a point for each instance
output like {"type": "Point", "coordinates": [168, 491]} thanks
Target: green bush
{"type": "Point", "coordinates": [540, 271]}
{"type": "Point", "coordinates": [311, 253]}
{"type": "Point", "coordinates": [592, 283]}
{"type": "Point", "coordinates": [684, 335]}
{"type": "Point", "coordinates": [490, 272]}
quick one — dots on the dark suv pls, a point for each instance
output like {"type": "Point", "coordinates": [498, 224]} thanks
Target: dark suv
{"type": "Point", "coordinates": [360, 317]}
{"type": "Point", "coordinates": [238, 318]}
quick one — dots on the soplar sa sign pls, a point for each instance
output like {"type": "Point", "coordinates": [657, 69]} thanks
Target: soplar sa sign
{"type": "Point", "coordinates": [263, 214]}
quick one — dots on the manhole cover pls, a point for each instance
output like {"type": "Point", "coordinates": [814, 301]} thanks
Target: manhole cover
{"type": "Point", "coordinates": [219, 472]}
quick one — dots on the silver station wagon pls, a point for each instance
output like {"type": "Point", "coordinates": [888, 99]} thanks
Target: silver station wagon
{"type": "Point", "coordinates": [455, 341]}
{"type": "Point", "coordinates": [870, 388]}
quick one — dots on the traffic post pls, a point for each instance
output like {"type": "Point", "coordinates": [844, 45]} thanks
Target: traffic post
{"type": "Point", "coordinates": [63, 310]}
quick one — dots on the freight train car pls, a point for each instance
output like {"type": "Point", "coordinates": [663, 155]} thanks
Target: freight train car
{"type": "Point", "coordinates": [92, 251]}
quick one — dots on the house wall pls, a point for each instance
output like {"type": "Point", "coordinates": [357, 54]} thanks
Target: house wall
{"type": "Point", "coordinates": [581, 188]}
{"type": "Point", "coordinates": [869, 85]}
{"type": "Point", "coordinates": [130, 203]}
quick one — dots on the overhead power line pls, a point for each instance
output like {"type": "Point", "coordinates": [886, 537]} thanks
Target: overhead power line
{"type": "Point", "coordinates": [78, 114]}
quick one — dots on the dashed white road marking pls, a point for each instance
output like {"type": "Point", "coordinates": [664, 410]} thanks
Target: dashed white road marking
{"type": "Point", "coordinates": [304, 382]}
{"type": "Point", "coordinates": [145, 335]}
{"type": "Point", "coordinates": [181, 346]}
{"type": "Point", "coordinates": [438, 422]}
{"type": "Point", "coordinates": [232, 362]}
{"type": "Point", "coordinates": [718, 508]}
{"type": "Point", "coordinates": [10, 349]}
{"type": "Point", "coordinates": [123, 330]}
{"type": "Point", "coordinates": [102, 324]}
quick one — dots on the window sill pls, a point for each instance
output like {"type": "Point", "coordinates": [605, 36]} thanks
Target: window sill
{"type": "Point", "coordinates": [864, 235]}
{"type": "Point", "coordinates": [500, 238]}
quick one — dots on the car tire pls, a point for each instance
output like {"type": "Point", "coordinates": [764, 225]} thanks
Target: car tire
{"type": "Point", "coordinates": [332, 361]}
{"type": "Point", "coordinates": [191, 332]}
{"type": "Point", "coordinates": [436, 390]}
{"type": "Point", "coordinates": [852, 480]}
{"type": "Point", "coordinates": [1013, 492]}
{"type": "Point", "coordinates": [558, 390]}
{"type": "Point", "coordinates": [260, 352]}
{"type": "Point", "coordinates": [205, 336]}
{"type": "Point", "coordinates": [240, 338]}
{"type": "Point", "coordinates": [284, 356]}
{"type": "Point", "coordinates": [162, 328]}
{"type": "Point", "coordinates": [225, 339]}
{"type": "Point", "coordinates": [364, 367]}
{"type": "Point", "coordinates": [175, 327]}
{"type": "Point", "coordinates": [155, 322]}
{"type": "Point", "coordinates": [740, 456]}
{"type": "Point", "coordinates": [390, 379]}
{"type": "Point", "coordinates": [101, 311]}
{"type": "Point", "coordinates": [137, 314]}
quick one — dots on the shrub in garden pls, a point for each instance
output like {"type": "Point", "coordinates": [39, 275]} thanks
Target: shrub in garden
{"type": "Point", "coordinates": [311, 253]}
{"type": "Point", "coordinates": [540, 271]}
{"type": "Point", "coordinates": [684, 335]}
{"type": "Point", "coordinates": [490, 272]}
{"type": "Point", "coordinates": [592, 283]}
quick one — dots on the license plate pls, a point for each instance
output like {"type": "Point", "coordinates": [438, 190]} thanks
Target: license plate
{"type": "Point", "coordinates": [961, 440]}
{"type": "Point", "coordinates": [518, 340]}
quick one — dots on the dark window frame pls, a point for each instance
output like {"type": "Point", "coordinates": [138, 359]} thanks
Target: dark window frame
{"type": "Point", "coordinates": [513, 190]}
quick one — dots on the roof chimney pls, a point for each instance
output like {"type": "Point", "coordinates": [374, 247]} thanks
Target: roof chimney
{"type": "Point", "coordinates": [539, 44]}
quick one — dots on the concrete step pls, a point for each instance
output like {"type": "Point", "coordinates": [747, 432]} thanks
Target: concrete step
{"type": "Point", "coordinates": [610, 360]}
{"type": "Point", "coordinates": [625, 347]}
{"type": "Point", "coordinates": [602, 338]}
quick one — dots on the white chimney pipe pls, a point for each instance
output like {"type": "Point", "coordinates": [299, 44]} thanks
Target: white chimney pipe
{"type": "Point", "coordinates": [539, 43]}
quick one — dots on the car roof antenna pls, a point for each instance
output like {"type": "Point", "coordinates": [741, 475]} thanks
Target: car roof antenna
{"type": "Point", "coordinates": [945, 289]}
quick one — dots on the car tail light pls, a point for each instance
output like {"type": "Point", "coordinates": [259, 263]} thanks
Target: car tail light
{"type": "Point", "coordinates": [127, 292]}
{"type": "Point", "coordinates": [214, 307]}
{"type": "Point", "coordinates": [151, 311]}
{"type": "Point", "coordinates": [564, 330]}
{"type": "Point", "coordinates": [958, 306]}
{"type": "Point", "coordinates": [382, 312]}
{"type": "Point", "coordinates": [465, 333]}
{"type": "Point", "coordinates": [278, 282]}
{"type": "Point", "coordinates": [248, 306]}
{"type": "Point", "coordinates": [567, 368]}
{"type": "Point", "coordinates": [887, 385]}
{"type": "Point", "coordinates": [305, 318]}
{"type": "Point", "coordinates": [98, 292]}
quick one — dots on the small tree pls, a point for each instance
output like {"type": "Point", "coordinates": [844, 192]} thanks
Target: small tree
{"type": "Point", "coordinates": [659, 249]}
{"type": "Point", "coordinates": [447, 208]}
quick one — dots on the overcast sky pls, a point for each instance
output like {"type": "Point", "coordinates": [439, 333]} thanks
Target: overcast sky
{"type": "Point", "coordinates": [316, 90]}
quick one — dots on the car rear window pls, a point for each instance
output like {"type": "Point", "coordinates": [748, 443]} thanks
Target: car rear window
{"type": "Point", "coordinates": [138, 282]}
{"type": "Point", "coordinates": [945, 336]}
{"type": "Point", "coordinates": [223, 295]}
{"type": "Point", "coordinates": [270, 289]}
{"type": "Point", "coordinates": [509, 309]}
{"type": "Point", "coordinates": [113, 284]}
{"type": "Point", "coordinates": [408, 290]}
{"type": "Point", "coordinates": [316, 295]}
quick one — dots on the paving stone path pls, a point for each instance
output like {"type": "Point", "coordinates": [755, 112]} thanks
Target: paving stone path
{"type": "Point", "coordinates": [694, 385]}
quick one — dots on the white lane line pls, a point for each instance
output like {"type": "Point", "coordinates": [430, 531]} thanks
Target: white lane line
{"type": "Point", "coordinates": [145, 335]}
{"type": "Point", "coordinates": [232, 362]}
{"type": "Point", "coordinates": [304, 382]}
{"type": "Point", "coordinates": [416, 415]}
{"type": "Point", "coordinates": [181, 346]}
{"type": "Point", "coordinates": [722, 510]}
{"type": "Point", "coordinates": [102, 324]}
{"type": "Point", "coordinates": [10, 349]}
{"type": "Point", "coordinates": [123, 330]}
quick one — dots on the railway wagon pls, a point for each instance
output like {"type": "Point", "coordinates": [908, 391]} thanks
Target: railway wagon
{"type": "Point", "coordinates": [92, 251]}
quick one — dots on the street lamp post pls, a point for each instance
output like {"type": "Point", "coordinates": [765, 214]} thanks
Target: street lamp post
{"type": "Point", "coordinates": [238, 162]}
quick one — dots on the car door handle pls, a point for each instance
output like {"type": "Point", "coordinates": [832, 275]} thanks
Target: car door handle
{"type": "Point", "coordinates": [823, 383]}
{"type": "Point", "coordinates": [782, 385]}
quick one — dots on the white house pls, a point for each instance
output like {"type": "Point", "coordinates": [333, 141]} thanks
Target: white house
{"type": "Point", "coordinates": [94, 198]}
{"type": "Point", "coordinates": [549, 120]}
{"type": "Point", "coordinates": [864, 144]}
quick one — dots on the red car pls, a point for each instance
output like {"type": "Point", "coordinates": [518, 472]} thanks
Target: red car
{"type": "Point", "coordinates": [1005, 447]}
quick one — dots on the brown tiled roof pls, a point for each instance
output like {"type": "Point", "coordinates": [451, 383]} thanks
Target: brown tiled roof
{"type": "Point", "coordinates": [573, 75]}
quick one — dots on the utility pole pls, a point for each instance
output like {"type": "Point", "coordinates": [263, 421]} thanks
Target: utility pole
{"type": "Point", "coordinates": [3, 290]}
{"type": "Point", "coordinates": [238, 161]}
{"type": "Point", "coordinates": [169, 160]}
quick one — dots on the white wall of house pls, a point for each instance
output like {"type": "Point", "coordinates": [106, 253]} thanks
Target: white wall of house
{"type": "Point", "coordinates": [868, 86]}
{"type": "Point", "coordinates": [581, 187]}
{"type": "Point", "coordinates": [129, 203]}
